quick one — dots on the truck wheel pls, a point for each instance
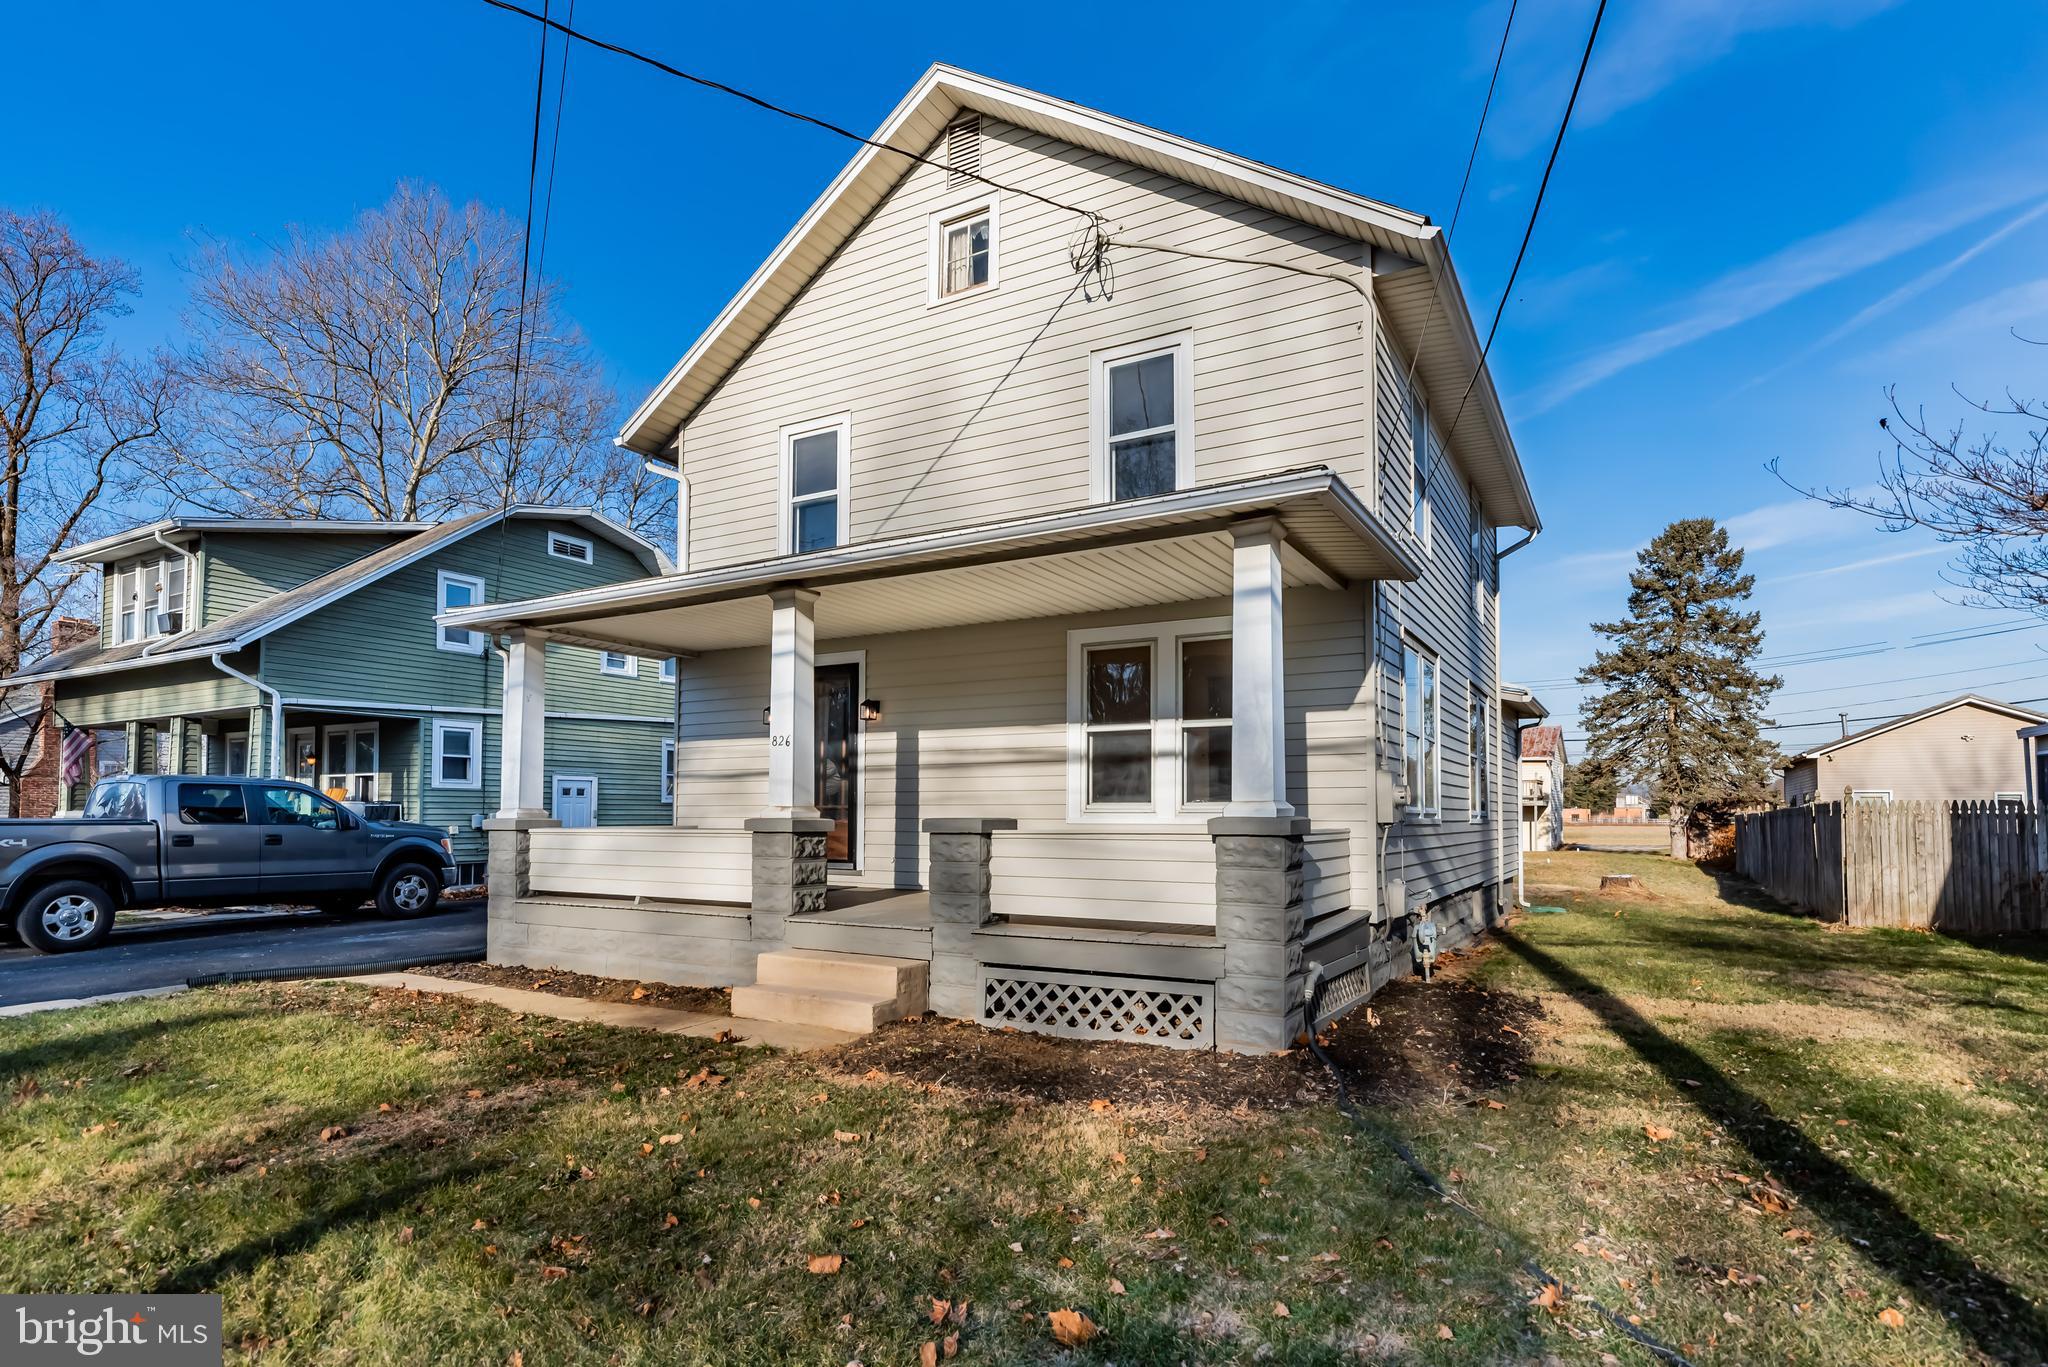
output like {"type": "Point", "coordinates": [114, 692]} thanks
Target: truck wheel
{"type": "Point", "coordinates": [408, 890]}
{"type": "Point", "coordinates": [59, 917]}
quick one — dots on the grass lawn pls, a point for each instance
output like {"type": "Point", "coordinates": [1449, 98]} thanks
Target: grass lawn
{"type": "Point", "coordinates": [1856, 1124]}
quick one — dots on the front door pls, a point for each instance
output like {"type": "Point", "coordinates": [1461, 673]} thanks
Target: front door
{"type": "Point", "coordinates": [305, 756]}
{"type": "Point", "coordinates": [839, 756]}
{"type": "Point", "coordinates": [575, 800]}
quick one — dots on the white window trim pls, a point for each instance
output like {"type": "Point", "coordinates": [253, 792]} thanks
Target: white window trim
{"type": "Point", "coordinates": [842, 424]}
{"type": "Point", "coordinates": [1475, 764]}
{"type": "Point", "coordinates": [1182, 345]}
{"type": "Point", "coordinates": [476, 753]}
{"type": "Point", "coordinates": [1422, 515]}
{"type": "Point", "coordinates": [374, 772]}
{"type": "Point", "coordinates": [1168, 735]}
{"type": "Point", "coordinates": [1870, 795]}
{"type": "Point", "coordinates": [1415, 811]}
{"type": "Point", "coordinates": [629, 670]}
{"type": "Point", "coordinates": [130, 571]}
{"type": "Point", "coordinates": [668, 669]}
{"type": "Point", "coordinates": [589, 556]}
{"type": "Point", "coordinates": [475, 643]}
{"type": "Point", "coordinates": [668, 771]}
{"type": "Point", "coordinates": [935, 248]}
{"type": "Point", "coordinates": [857, 844]}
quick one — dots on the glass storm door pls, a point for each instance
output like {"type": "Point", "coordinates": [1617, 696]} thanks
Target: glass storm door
{"type": "Point", "coordinates": [838, 756]}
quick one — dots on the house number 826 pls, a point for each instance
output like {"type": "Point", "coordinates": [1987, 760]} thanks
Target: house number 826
{"type": "Point", "coordinates": [778, 740]}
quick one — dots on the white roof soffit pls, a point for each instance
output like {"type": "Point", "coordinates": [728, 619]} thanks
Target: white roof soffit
{"type": "Point", "coordinates": [1446, 365]}
{"type": "Point", "coordinates": [1169, 549]}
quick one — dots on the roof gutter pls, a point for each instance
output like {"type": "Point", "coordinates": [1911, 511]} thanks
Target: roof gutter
{"type": "Point", "coordinates": [191, 587]}
{"type": "Point", "coordinates": [276, 710]}
{"type": "Point", "coordinates": [1533, 533]}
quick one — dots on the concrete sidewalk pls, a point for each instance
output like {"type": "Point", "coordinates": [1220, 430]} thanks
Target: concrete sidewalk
{"type": "Point", "coordinates": [623, 1015]}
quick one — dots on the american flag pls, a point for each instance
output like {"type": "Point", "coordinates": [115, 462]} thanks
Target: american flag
{"type": "Point", "coordinates": [76, 745]}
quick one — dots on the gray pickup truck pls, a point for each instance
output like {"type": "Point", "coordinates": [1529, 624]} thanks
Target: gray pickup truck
{"type": "Point", "coordinates": [205, 840]}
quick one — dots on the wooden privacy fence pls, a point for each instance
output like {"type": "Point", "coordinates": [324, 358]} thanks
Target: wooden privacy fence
{"type": "Point", "coordinates": [1974, 868]}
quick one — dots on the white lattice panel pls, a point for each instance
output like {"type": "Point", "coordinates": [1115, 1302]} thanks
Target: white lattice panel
{"type": "Point", "coordinates": [1179, 1015]}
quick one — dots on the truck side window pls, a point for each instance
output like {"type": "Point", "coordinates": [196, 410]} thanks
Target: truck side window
{"type": "Point", "coordinates": [298, 807]}
{"type": "Point", "coordinates": [211, 804]}
{"type": "Point", "coordinates": [116, 802]}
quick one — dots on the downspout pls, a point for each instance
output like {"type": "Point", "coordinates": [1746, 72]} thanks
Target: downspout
{"type": "Point", "coordinates": [191, 590]}
{"type": "Point", "coordinates": [276, 711]}
{"type": "Point", "coordinates": [1521, 890]}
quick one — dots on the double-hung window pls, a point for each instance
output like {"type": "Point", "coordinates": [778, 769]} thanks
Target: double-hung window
{"type": "Point", "coordinates": [1149, 711]}
{"type": "Point", "coordinates": [453, 591]}
{"type": "Point", "coordinates": [1476, 739]}
{"type": "Point", "coordinates": [963, 250]}
{"type": "Point", "coordinates": [458, 754]}
{"type": "Point", "coordinates": [1418, 502]}
{"type": "Point", "coordinates": [149, 598]}
{"type": "Point", "coordinates": [814, 477]}
{"type": "Point", "coordinates": [619, 664]}
{"type": "Point", "coordinates": [1421, 762]}
{"type": "Point", "coordinates": [1144, 419]}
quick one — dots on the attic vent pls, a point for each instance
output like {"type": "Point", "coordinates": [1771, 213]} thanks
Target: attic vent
{"type": "Point", "coordinates": [569, 548]}
{"type": "Point", "coordinates": [963, 150]}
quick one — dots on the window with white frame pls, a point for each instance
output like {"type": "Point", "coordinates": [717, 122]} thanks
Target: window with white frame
{"type": "Point", "coordinates": [1144, 419]}
{"type": "Point", "coordinates": [1418, 501]}
{"type": "Point", "coordinates": [617, 662]}
{"type": "Point", "coordinates": [814, 476]}
{"type": "Point", "coordinates": [562, 546]}
{"type": "Point", "coordinates": [151, 597]}
{"type": "Point", "coordinates": [1421, 760]}
{"type": "Point", "coordinates": [458, 754]}
{"type": "Point", "coordinates": [963, 250]}
{"type": "Point", "coordinates": [1149, 715]}
{"type": "Point", "coordinates": [1480, 551]}
{"type": "Point", "coordinates": [668, 670]}
{"type": "Point", "coordinates": [668, 771]}
{"type": "Point", "coordinates": [453, 591]}
{"type": "Point", "coordinates": [1870, 795]}
{"type": "Point", "coordinates": [1476, 737]}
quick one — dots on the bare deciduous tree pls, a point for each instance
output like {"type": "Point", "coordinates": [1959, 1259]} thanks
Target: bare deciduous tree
{"type": "Point", "coordinates": [73, 415]}
{"type": "Point", "coordinates": [1987, 495]}
{"type": "Point", "coordinates": [370, 373]}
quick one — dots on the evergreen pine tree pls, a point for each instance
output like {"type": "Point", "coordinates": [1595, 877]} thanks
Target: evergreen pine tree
{"type": "Point", "coordinates": [1681, 706]}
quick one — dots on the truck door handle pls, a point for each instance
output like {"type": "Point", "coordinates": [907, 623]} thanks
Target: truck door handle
{"type": "Point", "coordinates": [273, 840]}
{"type": "Point", "coordinates": [181, 840]}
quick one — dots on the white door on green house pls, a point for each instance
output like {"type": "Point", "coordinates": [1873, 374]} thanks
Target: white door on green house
{"type": "Point", "coordinates": [575, 800]}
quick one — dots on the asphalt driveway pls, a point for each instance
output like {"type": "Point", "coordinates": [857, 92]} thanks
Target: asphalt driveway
{"type": "Point", "coordinates": [169, 953]}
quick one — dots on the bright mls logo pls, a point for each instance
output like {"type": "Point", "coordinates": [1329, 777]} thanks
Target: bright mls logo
{"type": "Point", "coordinates": [163, 1331]}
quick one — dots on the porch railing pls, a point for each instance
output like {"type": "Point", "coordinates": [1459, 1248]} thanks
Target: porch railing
{"type": "Point", "coordinates": [650, 863]}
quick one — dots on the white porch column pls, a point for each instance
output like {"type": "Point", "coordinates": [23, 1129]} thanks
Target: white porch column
{"type": "Point", "coordinates": [1258, 680]}
{"type": "Point", "coordinates": [793, 704]}
{"type": "Point", "coordinates": [522, 746]}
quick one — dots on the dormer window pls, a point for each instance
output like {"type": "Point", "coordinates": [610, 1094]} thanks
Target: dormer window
{"type": "Point", "coordinates": [963, 250]}
{"type": "Point", "coordinates": [150, 598]}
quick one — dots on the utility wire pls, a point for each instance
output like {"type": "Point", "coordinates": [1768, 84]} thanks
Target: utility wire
{"type": "Point", "coordinates": [1535, 209]}
{"type": "Point", "coordinates": [567, 31]}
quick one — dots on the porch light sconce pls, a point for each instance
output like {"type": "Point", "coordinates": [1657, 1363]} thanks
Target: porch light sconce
{"type": "Point", "coordinates": [870, 709]}
{"type": "Point", "coordinates": [768, 716]}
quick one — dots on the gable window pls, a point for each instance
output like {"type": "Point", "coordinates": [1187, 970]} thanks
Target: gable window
{"type": "Point", "coordinates": [963, 250]}
{"type": "Point", "coordinates": [1149, 714]}
{"type": "Point", "coordinates": [668, 771]}
{"type": "Point", "coordinates": [451, 591]}
{"type": "Point", "coordinates": [1144, 411]}
{"type": "Point", "coordinates": [1420, 761]}
{"type": "Point", "coordinates": [814, 477]}
{"type": "Point", "coordinates": [150, 597]}
{"type": "Point", "coordinates": [458, 754]}
{"type": "Point", "coordinates": [618, 663]}
{"type": "Point", "coordinates": [562, 546]}
{"type": "Point", "coordinates": [1418, 503]}
{"type": "Point", "coordinates": [1476, 738]}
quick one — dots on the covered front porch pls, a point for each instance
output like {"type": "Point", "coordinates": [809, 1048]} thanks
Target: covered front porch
{"type": "Point", "coordinates": [1110, 772]}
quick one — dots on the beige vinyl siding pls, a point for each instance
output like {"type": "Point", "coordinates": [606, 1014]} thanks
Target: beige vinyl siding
{"type": "Point", "coordinates": [1966, 754]}
{"type": "Point", "coordinates": [974, 723]}
{"type": "Point", "coordinates": [978, 407]}
{"type": "Point", "coordinates": [1451, 853]}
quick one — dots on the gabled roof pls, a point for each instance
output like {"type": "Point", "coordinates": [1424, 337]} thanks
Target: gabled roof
{"type": "Point", "coordinates": [1543, 742]}
{"type": "Point", "coordinates": [176, 529]}
{"type": "Point", "coordinates": [1416, 289]}
{"type": "Point", "coordinates": [251, 624]}
{"type": "Point", "coordinates": [2020, 714]}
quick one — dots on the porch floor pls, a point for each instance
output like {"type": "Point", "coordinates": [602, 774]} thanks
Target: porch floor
{"type": "Point", "coordinates": [878, 908]}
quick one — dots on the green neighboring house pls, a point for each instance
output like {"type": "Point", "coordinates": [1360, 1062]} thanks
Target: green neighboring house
{"type": "Point", "coordinates": [308, 649]}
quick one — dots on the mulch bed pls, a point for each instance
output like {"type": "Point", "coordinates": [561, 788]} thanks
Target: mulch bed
{"type": "Point", "coordinates": [1428, 1041]}
{"type": "Point", "coordinates": [715, 1001]}
{"type": "Point", "coordinates": [1009, 1066]}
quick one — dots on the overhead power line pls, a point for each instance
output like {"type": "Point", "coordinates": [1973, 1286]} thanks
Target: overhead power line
{"type": "Point", "coordinates": [1485, 108]}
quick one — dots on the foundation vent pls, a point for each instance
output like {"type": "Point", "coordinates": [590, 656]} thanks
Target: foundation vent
{"type": "Point", "coordinates": [1179, 1015]}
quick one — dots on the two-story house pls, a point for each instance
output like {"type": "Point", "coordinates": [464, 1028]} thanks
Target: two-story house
{"type": "Point", "coordinates": [1542, 765]}
{"type": "Point", "coordinates": [308, 649]}
{"type": "Point", "coordinates": [1087, 603]}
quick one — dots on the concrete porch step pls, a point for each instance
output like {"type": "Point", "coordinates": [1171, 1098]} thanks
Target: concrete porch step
{"type": "Point", "coordinates": [841, 991]}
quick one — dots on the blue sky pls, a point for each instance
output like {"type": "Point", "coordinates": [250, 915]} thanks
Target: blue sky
{"type": "Point", "coordinates": [1766, 212]}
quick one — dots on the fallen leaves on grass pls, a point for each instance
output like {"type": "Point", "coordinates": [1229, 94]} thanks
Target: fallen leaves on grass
{"type": "Point", "coordinates": [826, 1264]}
{"type": "Point", "coordinates": [1443, 1331]}
{"type": "Point", "coordinates": [1071, 1328]}
{"type": "Point", "coordinates": [1280, 1310]}
{"type": "Point", "coordinates": [333, 1132]}
{"type": "Point", "coordinates": [846, 1136]}
{"type": "Point", "coordinates": [1548, 1297]}
{"type": "Point", "coordinates": [1890, 1318]}
{"type": "Point", "coordinates": [703, 1077]}
{"type": "Point", "coordinates": [1116, 1288]}
{"type": "Point", "coordinates": [670, 1139]}
{"type": "Point", "coordinates": [1659, 1133]}
{"type": "Point", "coordinates": [552, 1273]}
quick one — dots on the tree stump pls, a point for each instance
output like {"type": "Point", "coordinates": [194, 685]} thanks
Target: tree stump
{"type": "Point", "coordinates": [1621, 882]}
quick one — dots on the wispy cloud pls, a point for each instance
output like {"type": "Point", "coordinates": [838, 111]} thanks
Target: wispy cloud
{"type": "Point", "coordinates": [2021, 306]}
{"type": "Point", "coordinates": [1806, 265]}
{"type": "Point", "coordinates": [1778, 524]}
{"type": "Point", "coordinates": [1851, 566]}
